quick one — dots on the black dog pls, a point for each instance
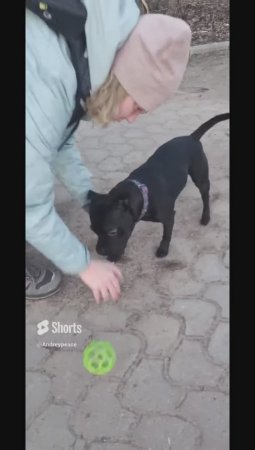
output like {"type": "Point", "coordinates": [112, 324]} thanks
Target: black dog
{"type": "Point", "coordinates": [149, 193]}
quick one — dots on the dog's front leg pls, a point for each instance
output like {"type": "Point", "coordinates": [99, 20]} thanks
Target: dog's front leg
{"type": "Point", "coordinates": [167, 234]}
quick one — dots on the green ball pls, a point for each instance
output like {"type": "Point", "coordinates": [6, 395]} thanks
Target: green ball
{"type": "Point", "coordinates": [99, 357]}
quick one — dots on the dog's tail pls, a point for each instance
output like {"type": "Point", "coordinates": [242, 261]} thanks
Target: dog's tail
{"type": "Point", "coordinates": [197, 134]}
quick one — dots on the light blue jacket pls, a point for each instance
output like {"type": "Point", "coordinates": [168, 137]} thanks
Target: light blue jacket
{"type": "Point", "coordinates": [50, 99]}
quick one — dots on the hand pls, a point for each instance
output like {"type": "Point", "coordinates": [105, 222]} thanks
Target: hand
{"type": "Point", "coordinates": [103, 278]}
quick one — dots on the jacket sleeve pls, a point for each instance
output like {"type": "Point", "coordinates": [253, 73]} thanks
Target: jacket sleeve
{"type": "Point", "coordinates": [71, 171]}
{"type": "Point", "coordinates": [45, 230]}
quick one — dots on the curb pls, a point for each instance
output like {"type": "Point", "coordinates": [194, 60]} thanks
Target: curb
{"type": "Point", "coordinates": [209, 48]}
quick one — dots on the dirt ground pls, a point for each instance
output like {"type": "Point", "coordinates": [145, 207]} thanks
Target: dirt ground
{"type": "Point", "coordinates": [208, 19]}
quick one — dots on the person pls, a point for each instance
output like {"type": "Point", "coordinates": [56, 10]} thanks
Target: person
{"type": "Point", "coordinates": [136, 63]}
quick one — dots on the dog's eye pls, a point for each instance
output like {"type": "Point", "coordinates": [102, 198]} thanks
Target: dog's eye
{"type": "Point", "coordinates": [112, 232]}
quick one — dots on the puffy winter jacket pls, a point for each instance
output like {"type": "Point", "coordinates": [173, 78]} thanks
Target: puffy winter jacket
{"type": "Point", "coordinates": [50, 100]}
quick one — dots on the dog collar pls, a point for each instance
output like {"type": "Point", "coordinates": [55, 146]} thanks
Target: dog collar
{"type": "Point", "coordinates": [145, 193]}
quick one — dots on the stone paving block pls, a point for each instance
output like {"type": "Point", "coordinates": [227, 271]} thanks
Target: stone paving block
{"type": "Point", "coordinates": [132, 158]}
{"type": "Point", "coordinates": [147, 391]}
{"type": "Point", "coordinates": [107, 316]}
{"type": "Point", "coordinates": [224, 383]}
{"type": "Point", "coordinates": [210, 268]}
{"type": "Point", "coordinates": [92, 421]}
{"type": "Point", "coordinates": [165, 432]}
{"type": "Point", "coordinates": [226, 259]}
{"type": "Point", "coordinates": [221, 208]}
{"type": "Point", "coordinates": [92, 142]}
{"type": "Point", "coordinates": [38, 311]}
{"type": "Point", "coordinates": [222, 185]}
{"type": "Point", "coordinates": [199, 371]}
{"type": "Point", "coordinates": [110, 179]}
{"type": "Point", "coordinates": [114, 139]}
{"type": "Point", "coordinates": [50, 430]}
{"type": "Point", "coordinates": [183, 251]}
{"type": "Point", "coordinates": [34, 355]}
{"type": "Point", "coordinates": [79, 445]}
{"type": "Point", "coordinates": [144, 296]}
{"type": "Point", "coordinates": [143, 146]}
{"type": "Point", "coordinates": [37, 394]}
{"type": "Point", "coordinates": [161, 333]}
{"type": "Point", "coordinates": [211, 239]}
{"type": "Point", "coordinates": [210, 412]}
{"type": "Point", "coordinates": [96, 156]}
{"type": "Point", "coordinates": [117, 446]}
{"type": "Point", "coordinates": [220, 294]}
{"type": "Point", "coordinates": [67, 315]}
{"type": "Point", "coordinates": [198, 315]}
{"type": "Point", "coordinates": [219, 344]}
{"type": "Point", "coordinates": [70, 379]}
{"type": "Point", "coordinates": [111, 164]}
{"type": "Point", "coordinates": [180, 285]}
{"type": "Point", "coordinates": [134, 133]}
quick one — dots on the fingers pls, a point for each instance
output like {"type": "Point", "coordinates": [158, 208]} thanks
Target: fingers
{"type": "Point", "coordinates": [96, 294]}
{"type": "Point", "coordinates": [111, 290]}
{"type": "Point", "coordinates": [104, 281]}
{"type": "Point", "coordinates": [114, 290]}
{"type": "Point", "coordinates": [105, 294]}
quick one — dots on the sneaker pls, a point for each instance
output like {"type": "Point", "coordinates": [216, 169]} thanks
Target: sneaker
{"type": "Point", "coordinates": [41, 283]}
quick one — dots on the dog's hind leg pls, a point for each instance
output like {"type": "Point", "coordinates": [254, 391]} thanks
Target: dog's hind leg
{"type": "Point", "coordinates": [199, 173]}
{"type": "Point", "coordinates": [204, 191]}
{"type": "Point", "coordinates": [167, 234]}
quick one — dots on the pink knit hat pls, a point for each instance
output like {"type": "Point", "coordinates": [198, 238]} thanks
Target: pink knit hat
{"type": "Point", "coordinates": [151, 63]}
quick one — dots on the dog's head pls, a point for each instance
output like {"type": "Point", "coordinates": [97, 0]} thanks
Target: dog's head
{"type": "Point", "coordinates": [113, 217]}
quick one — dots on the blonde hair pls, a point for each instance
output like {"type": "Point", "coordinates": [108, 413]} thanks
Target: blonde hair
{"type": "Point", "coordinates": [103, 104]}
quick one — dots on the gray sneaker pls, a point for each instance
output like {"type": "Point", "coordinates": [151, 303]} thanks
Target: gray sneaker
{"type": "Point", "coordinates": [41, 283]}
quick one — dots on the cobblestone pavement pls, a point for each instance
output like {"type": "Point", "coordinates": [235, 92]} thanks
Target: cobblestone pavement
{"type": "Point", "coordinates": [169, 388]}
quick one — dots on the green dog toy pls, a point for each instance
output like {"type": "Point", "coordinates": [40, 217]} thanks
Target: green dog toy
{"type": "Point", "coordinates": [99, 357]}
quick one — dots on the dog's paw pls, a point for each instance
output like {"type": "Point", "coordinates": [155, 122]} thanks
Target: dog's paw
{"type": "Point", "coordinates": [112, 259]}
{"type": "Point", "coordinates": [205, 219]}
{"type": "Point", "coordinates": [161, 252]}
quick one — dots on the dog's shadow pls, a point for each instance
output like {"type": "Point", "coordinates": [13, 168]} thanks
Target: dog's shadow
{"type": "Point", "coordinates": [173, 266]}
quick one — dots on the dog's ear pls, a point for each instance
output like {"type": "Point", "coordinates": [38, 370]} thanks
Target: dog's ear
{"type": "Point", "coordinates": [95, 196]}
{"type": "Point", "coordinates": [92, 195]}
{"type": "Point", "coordinates": [131, 204]}
{"type": "Point", "coordinates": [127, 198]}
